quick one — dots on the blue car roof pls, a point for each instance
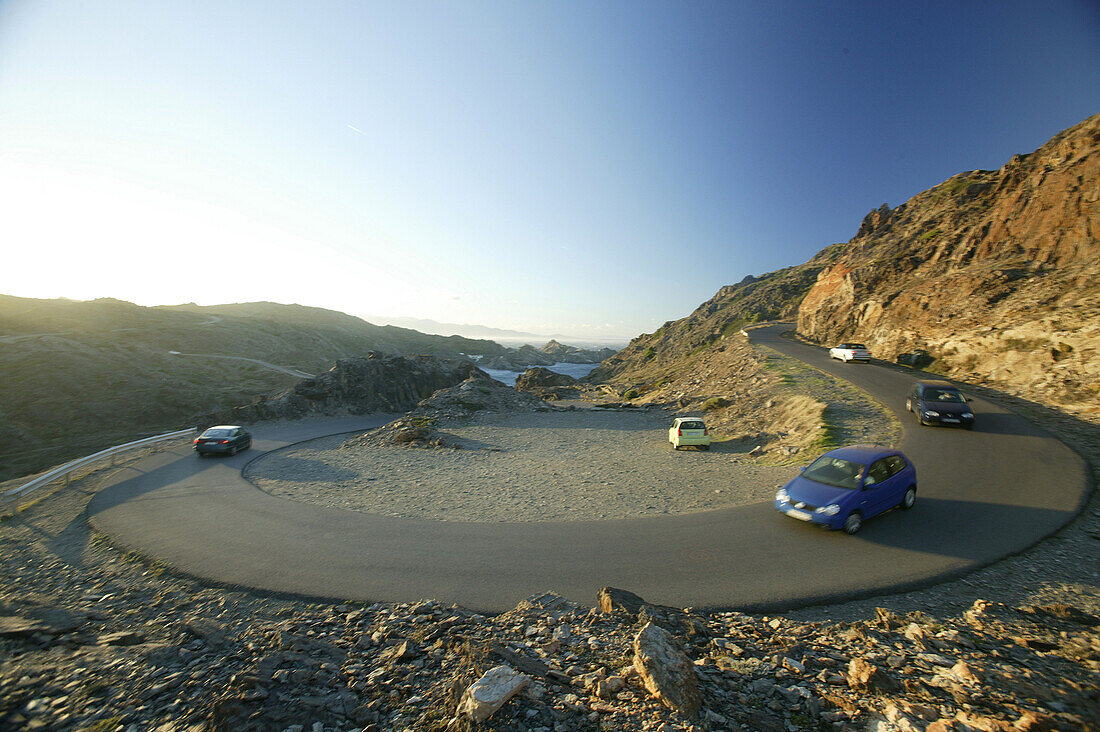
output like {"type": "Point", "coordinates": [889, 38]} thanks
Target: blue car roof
{"type": "Point", "coordinates": [862, 453]}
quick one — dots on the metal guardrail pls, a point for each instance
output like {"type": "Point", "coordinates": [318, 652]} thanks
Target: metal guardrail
{"type": "Point", "coordinates": [66, 470]}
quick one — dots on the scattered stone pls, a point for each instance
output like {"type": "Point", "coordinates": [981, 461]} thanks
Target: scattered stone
{"type": "Point", "coordinates": [863, 676]}
{"type": "Point", "coordinates": [121, 638]}
{"type": "Point", "coordinates": [666, 672]}
{"type": "Point", "coordinates": [489, 693]}
{"type": "Point", "coordinates": [16, 627]}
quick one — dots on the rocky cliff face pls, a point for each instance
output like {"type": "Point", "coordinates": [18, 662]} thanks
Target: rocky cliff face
{"type": "Point", "coordinates": [995, 274]}
{"type": "Point", "coordinates": [358, 386]}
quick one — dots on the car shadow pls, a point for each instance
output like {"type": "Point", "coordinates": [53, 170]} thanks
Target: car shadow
{"type": "Point", "coordinates": [1003, 423]}
{"type": "Point", "coordinates": [969, 530]}
{"type": "Point", "coordinates": [143, 480]}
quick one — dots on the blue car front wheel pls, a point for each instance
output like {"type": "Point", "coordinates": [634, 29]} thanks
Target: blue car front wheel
{"type": "Point", "coordinates": [853, 523]}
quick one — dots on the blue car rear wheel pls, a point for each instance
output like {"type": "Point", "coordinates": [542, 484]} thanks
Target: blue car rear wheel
{"type": "Point", "coordinates": [909, 498]}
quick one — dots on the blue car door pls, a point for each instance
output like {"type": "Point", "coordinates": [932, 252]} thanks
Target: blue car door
{"type": "Point", "coordinates": [880, 488]}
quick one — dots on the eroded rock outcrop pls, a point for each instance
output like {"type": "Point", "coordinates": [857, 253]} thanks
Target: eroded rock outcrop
{"type": "Point", "coordinates": [539, 378]}
{"type": "Point", "coordinates": [376, 383]}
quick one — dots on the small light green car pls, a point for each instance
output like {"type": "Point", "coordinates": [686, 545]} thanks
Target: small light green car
{"type": "Point", "coordinates": [688, 431]}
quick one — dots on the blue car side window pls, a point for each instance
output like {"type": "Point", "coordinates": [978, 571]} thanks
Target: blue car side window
{"type": "Point", "coordinates": [878, 472]}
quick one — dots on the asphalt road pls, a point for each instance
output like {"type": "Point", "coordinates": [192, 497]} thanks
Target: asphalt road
{"type": "Point", "coordinates": [982, 495]}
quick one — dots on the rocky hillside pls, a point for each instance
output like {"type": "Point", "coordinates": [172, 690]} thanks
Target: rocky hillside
{"type": "Point", "coordinates": [76, 377]}
{"type": "Point", "coordinates": [656, 357]}
{"type": "Point", "coordinates": [991, 276]}
{"type": "Point", "coordinates": [376, 383]}
{"type": "Point", "coordinates": [995, 274]}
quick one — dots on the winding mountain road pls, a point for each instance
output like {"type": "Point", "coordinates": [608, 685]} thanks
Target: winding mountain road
{"type": "Point", "coordinates": [983, 495]}
{"type": "Point", "coordinates": [274, 367]}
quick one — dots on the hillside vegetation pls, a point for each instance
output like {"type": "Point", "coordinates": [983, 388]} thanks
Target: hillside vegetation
{"type": "Point", "coordinates": [80, 376]}
{"type": "Point", "coordinates": [991, 276]}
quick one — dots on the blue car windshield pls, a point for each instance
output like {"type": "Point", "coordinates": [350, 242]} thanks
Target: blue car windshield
{"type": "Point", "coordinates": [835, 472]}
{"type": "Point", "coordinates": [943, 395]}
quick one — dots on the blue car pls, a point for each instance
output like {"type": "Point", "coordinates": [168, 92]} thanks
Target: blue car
{"type": "Point", "coordinates": [845, 487]}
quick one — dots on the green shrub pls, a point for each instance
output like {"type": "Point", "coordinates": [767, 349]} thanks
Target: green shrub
{"type": "Point", "coordinates": [715, 403]}
{"type": "Point", "coordinates": [630, 394]}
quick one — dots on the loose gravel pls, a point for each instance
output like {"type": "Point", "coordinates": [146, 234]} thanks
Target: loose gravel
{"type": "Point", "coordinates": [525, 467]}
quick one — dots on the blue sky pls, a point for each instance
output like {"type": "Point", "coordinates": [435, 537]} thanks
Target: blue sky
{"type": "Point", "coordinates": [568, 167]}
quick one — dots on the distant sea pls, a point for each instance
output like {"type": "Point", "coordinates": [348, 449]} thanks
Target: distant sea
{"type": "Point", "coordinates": [576, 370]}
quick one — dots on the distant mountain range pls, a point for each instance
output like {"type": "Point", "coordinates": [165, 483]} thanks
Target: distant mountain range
{"type": "Point", "coordinates": [500, 335]}
{"type": "Point", "coordinates": [426, 325]}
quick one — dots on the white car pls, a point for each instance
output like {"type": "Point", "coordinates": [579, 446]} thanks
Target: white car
{"type": "Point", "coordinates": [851, 352]}
{"type": "Point", "coordinates": [689, 431]}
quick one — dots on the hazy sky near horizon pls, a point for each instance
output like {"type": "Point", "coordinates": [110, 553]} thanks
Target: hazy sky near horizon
{"type": "Point", "coordinates": [592, 169]}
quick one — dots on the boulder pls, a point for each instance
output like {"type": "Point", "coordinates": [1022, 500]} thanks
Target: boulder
{"type": "Point", "coordinates": [918, 359]}
{"type": "Point", "coordinates": [666, 671]}
{"type": "Point", "coordinates": [611, 599]}
{"type": "Point", "coordinates": [539, 377]}
{"type": "Point", "coordinates": [490, 692]}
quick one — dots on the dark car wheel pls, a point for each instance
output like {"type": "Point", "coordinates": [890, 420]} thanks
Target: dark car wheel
{"type": "Point", "coordinates": [249, 445]}
{"type": "Point", "coordinates": [909, 498]}
{"type": "Point", "coordinates": [705, 447]}
{"type": "Point", "coordinates": [853, 523]}
{"type": "Point", "coordinates": [232, 451]}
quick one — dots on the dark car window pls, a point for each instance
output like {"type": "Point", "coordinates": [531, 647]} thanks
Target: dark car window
{"type": "Point", "coordinates": [692, 426]}
{"type": "Point", "coordinates": [857, 345]}
{"type": "Point", "coordinates": [834, 471]}
{"type": "Point", "coordinates": [942, 395]}
{"type": "Point", "coordinates": [878, 472]}
{"type": "Point", "coordinates": [896, 464]}
{"type": "Point", "coordinates": [218, 433]}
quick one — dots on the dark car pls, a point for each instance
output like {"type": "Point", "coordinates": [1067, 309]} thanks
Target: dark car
{"type": "Point", "coordinates": [848, 485]}
{"type": "Point", "coordinates": [223, 439]}
{"type": "Point", "coordinates": [939, 402]}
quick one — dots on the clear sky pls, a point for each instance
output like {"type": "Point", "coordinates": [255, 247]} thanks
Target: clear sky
{"type": "Point", "coordinates": [584, 168]}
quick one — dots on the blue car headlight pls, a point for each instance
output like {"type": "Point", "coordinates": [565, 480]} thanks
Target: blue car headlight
{"type": "Point", "coordinates": [830, 510]}
{"type": "Point", "coordinates": [968, 415]}
{"type": "Point", "coordinates": [782, 496]}
{"type": "Point", "coordinates": [930, 413]}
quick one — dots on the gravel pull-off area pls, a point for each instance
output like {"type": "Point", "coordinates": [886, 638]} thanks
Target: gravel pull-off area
{"type": "Point", "coordinates": [524, 466]}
